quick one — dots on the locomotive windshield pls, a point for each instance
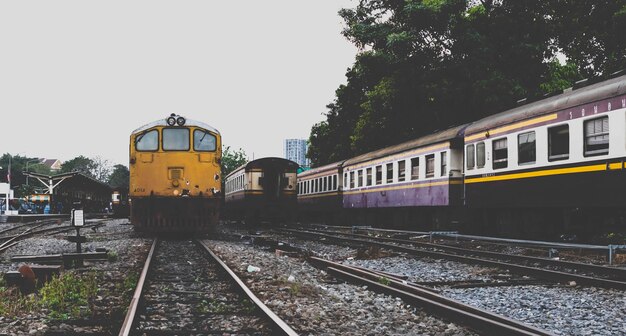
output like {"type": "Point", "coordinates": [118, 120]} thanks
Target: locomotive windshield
{"type": "Point", "coordinates": [203, 141]}
{"type": "Point", "coordinates": [176, 139]}
{"type": "Point", "coordinates": [148, 141]}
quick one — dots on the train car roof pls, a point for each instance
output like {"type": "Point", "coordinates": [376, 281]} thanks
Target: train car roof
{"type": "Point", "coordinates": [188, 122]}
{"type": "Point", "coordinates": [320, 169]}
{"type": "Point", "coordinates": [264, 162]}
{"type": "Point", "coordinates": [602, 90]}
{"type": "Point", "coordinates": [449, 134]}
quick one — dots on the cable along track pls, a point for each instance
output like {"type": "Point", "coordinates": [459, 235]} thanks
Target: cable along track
{"type": "Point", "coordinates": [185, 289]}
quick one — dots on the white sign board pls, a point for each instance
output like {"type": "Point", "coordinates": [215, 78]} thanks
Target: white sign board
{"type": "Point", "coordinates": [78, 218]}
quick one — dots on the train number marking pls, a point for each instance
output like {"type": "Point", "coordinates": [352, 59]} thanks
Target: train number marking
{"type": "Point", "coordinates": [140, 189]}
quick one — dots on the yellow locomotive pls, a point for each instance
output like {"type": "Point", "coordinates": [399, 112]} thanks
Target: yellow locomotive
{"type": "Point", "coordinates": [175, 176]}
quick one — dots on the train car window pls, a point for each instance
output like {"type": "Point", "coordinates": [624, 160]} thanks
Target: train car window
{"type": "Point", "coordinates": [430, 165]}
{"type": "Point", "coordinates": [469, 157]}
{"type": "Point", "coordinates": [148, 141]}
{"type": "Point", "coordinates": [390, 173]}
{"type": "Point", "coordinates": [480, 154]}
{"type": "Point", "coordinates": [351, 179]}
{"type": "Point", "coordinates": [444, 163]}
{"type": "Point", "coordinates": [401, 170]}
{"type": "Point", "coordinates": [175, 139]}
{"type": "Point", "coordinates": [500, 154]}
{"type": "Point", "coordinates": [359, 180]}
{"type": "Point", "coordinates": [335, 182]}
{"type": "Point", "coordinates": [379, 175]}
{"type": "Point", "coordinates": [597, 136]}
{"type": "Point", "coordinates": [345, 180]}
{"type": "Point", "coordinates": [526, 148]}
{"type": "Point", "coordinates": [325, 183]}
{"type": "Point", "coordinates": [203, 141]}
{"type": "Point", "coordinates": [368, 176]}
{"type": "Point", "coordinates": [415, 168]}
{"type": "Point", "coordinates": [558, 143]}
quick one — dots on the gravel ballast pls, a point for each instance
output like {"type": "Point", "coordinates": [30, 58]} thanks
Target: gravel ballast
{"type": "Point", "coordinates": [315, 304]}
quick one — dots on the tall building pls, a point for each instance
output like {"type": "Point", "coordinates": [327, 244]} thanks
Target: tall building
{"type": "Point", "coordinates": [295, 150]}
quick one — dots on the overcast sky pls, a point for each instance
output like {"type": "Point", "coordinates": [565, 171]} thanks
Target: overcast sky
{"type": "Point", "coordinates": [77, 77]}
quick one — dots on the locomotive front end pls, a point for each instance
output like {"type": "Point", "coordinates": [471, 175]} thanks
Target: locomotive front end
{"type": "Point", "coordinates": [175, 176]}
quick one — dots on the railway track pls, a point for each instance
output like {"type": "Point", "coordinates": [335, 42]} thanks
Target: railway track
{"type": "Point", "coordinates": [562, 271]}
{"type": "Point", "coordinates": [478, 319]}
{"type": "Point", "coordinates": [185, 289]}
{"type": "Point", "coordinates": [9, 241]}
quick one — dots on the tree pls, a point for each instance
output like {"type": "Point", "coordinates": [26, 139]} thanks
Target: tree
{"type": "Point", "coordinates": [120, 176]}
{"type": "Point", "coordinates": [231, 160]}
{"type": "Point", "coordinates": [97, 168]}
{"type": "Point", "coordinates": [81, 164]}
{"type": "Point", "coordinates": [101, 169]}
{"type": "Point", "coordinates": [18, 165]}
{"type": "Point", "coordinates": [427, 65]}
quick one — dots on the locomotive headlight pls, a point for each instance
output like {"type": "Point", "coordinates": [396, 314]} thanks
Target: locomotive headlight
{"type": "Point", "coordinates": [171, 121]}
{"type": "Point", "coordinates": [180, 121]}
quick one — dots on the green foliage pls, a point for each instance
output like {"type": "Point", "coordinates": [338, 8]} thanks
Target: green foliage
{"type": "Point", "coordinates": [66, 296]}
{"type": "Point", "coordinates": [232, 159]}
{"type": "Point", "coordinates": [79, 164]}
{"type": "Point", "coordinates": [560, 77]}
{"type": "Point", "coordinates": [69, 295]}
{"type": "Point", "coordinates": [428, 65]}
{"type": "Point", "coordinates": [213, 306]}
{"type": "Point", "coordinates": [384, 281]}
{"type": "Point", "coordinates": [97, 167]}
{"type": "Point", "coordinates": [248, 306]}
{"type": "Point", "coordinates": [112, 256]}
{"type": "Point", "coordinates": [19, 164]}
{"type": "Point", "coordinates": [120, 177]}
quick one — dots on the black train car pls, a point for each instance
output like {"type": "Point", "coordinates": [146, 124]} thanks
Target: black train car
{"type": "Point", "coordinates": [262, 190]}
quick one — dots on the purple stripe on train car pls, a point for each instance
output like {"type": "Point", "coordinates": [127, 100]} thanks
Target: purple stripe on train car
{"type": "Point", "coordinates": [436, 195]}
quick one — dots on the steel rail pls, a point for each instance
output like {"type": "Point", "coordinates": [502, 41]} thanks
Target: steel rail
{"type": "Point", "coordinates": [598, 269]}
{"type": "Point", "coordinates": [134, 302]}
{"type": "Point", "coordinates": [524, 270]}
{"type": "Point", "coordinates": [280, 327]}
{"type": "Point", "coordinates": [447, 308]}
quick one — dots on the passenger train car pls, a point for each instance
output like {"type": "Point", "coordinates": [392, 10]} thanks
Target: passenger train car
{"type": "Point", "coordinates": [419, 181]}
{"type": "Point", "coordinates": [175, 176]}
{"type": "Point", "coordinates": [558, 160]}
{"type": "Point", "coordinates": [320, 194]}
{"type": "Point", "coordinates": [555, 165]}
{"type": "Point", "coordinates": [262, 190]}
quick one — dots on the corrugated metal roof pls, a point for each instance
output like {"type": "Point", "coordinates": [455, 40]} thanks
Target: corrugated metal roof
{"type": "Point", "coordinates": [330, 166]}
{"type": "Point", "coordinates": [606, 89]}
{"type": "Point", "coordinates": [431, 139]}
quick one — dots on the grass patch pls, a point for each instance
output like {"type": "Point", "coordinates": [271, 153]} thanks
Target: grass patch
{"type": "Point", "coordinates": [213, 306]}
{"type": "Point", "coordinates": [67, 296]}
{"type": "Point", "coordinates": [112, 256]}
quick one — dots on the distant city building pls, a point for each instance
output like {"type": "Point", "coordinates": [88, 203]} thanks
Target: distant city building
{"type": "Point", "coordinates": [295, 150]}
